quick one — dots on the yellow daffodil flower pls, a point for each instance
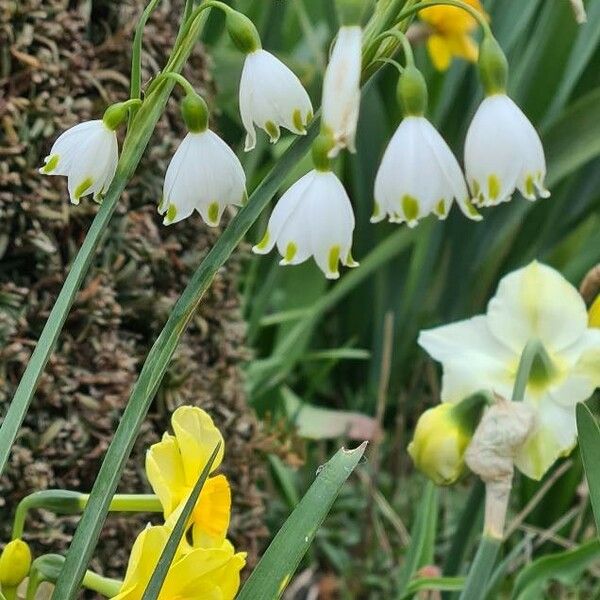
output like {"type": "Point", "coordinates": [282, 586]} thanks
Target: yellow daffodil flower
{"type": "Point", "coordinates": [450, 33]}
{"type": "Point", "coordinates": [174, 465]}
{"type": "Point", "coordinates": [532, 303]}
{"type": "Point", "coordinates": [15, 563]}
{"type": "Point", "coordinates": [200, 574]}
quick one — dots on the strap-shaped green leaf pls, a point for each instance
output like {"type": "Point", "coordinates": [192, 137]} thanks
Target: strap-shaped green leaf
{"type": "Point", "coordinates": [166, 558]}
{"type": "Point", "coordinates": [589, 446]}
{"type": "Point", "coordinates": [279, 562]}
{"type": "Point", "coordinates": [565, 567]}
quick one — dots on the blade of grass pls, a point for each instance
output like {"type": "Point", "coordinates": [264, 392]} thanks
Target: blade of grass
{"type": "Point", "coordinates": [589, 445]}
{"type": "Point", "coordinates": [281, 559]}
{"type": "Point", "coordinates": [422, 536]}
{"type": "Point", "coordinates": [430, 584]}
{"type": "Point", "coordinates": [155, 584]}
{"type": "Point", "coordinates": [564, 566]}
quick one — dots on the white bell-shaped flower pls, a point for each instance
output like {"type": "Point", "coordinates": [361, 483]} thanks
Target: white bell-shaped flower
{"type": "Point", "coordinates": [271, 96]}
{"type": "Point", "coordinates": [204, 174]}
{"type": "Point", "coordinates": [341, 89]}
{"type": "Point", "coordinates": [503, 152]}
{"type": "Point", "coordinates": [313, 218]}
{"type": "Point", "coordinates": [419, 175]}
{"type": "Point", "coordinates": [87, 154]}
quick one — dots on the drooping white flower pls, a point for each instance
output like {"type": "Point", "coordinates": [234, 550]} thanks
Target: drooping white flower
{"type": "Point", "coordinates": [341, 89]}
{"type": "Point", "coordinates": [204, 174]}
{"type": "Point", "coordinates": [87, 154]}
{"type": "Point", "coordinates": [503, 152]}
{"type": "Point", "coordinates": [271, 96]}
{"type": "Point", "coordinates": [483, 353]}
{"type": "Point", "coordinates": [419, 175]}
{"type": "Point", "coordinates": [313, 218]}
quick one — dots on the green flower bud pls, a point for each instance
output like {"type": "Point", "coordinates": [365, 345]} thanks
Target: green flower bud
{"type": "Point", "coordinates": [194, 112]}
{"type": "Point", "coordinates": [442, 436]}
{"type": "Point", "coordinates": [242, 31]}
{"type": "Point", "coordinates": [115, 114]}
{"type": "Point", "coordinates": [412, 92]}
{"type": "Point", "coordinates": [15, 563]}
{"type": "Point", "coordinates": [493, 66]}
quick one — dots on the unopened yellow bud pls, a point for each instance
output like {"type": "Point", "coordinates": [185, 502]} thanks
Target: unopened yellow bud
{"type": "Point", "coordinates": [15, 562]}
{"type": "Point", "coordinates": [594, 313]}
{"type": "Point", "coordinates": [439, 444]}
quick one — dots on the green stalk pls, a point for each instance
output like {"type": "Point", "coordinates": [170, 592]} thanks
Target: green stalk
{"type": "Point", "coordinates": [534, 362]}
{"type": "Point", "coordinates": [135, 143]}
{"type": "Point", "coordinates": [66, 502]}
{"type": "Point", "coordinates": [485, 559]}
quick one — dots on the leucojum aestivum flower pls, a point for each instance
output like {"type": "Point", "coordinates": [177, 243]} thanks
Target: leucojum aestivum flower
{"type": "Point", "coordinates": [524, 364]}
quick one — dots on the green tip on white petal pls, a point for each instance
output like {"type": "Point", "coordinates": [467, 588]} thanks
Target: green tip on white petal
{"type": "Point", "coordinates": [171, 214]}
{"type": "Point", "coordinates": [212, 214]}
{"type": "Point", "coordinates": [494, 187]}
{"type": "Point", "coordinates": [290, 252]}
{"type": "Point", "coordinates": [350, 262]}
{"type": "Point", "coordinates": [273, 130]}
{"type": "Point", "coordinates": [333, 259]}
{"type": "Point", "coordinates": [410, 207]}
{"type": "Point", "coordinates": [82, 188]}
{"type": "Point", "coordinates": [261, 247]}
{"type": "Point", "coordinates": [50, 164]}
{"type": "Point", "coordinates": [377, 215]}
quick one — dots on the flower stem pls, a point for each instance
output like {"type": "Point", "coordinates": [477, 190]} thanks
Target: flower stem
{"type": "Point", "coordinates": [481, 569]}
{"type": "Point", "coordinates": [67, 502]}
{"type": "Point", "coordinates": [534, 359]}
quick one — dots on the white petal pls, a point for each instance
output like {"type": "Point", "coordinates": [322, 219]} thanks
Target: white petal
{"type": "Point", "coordinates": [283, 211]}
{"type": "Point", "coordinates": [92, 168]}
{"type": "Point", "coordinates": [537, 302]}
{"type": "Point", "coordinates": [555, 435]}
{"type": "Point", "coordinates": [205, 174]}
{"type": "Point", "coordinates": [271, 96]}
{"type": "Point", "coordinates": [493, 157]}
{"type": "Point", "coordinates": [450, 169]}
{"type": "Point", "coordinates": [331, 222]}
{"type": "Point", "coordinates": [472, 359]}
{"type": "Point", "coordinates": [341, 88]}
{"type": "Point", "coordinates": [410, 182]}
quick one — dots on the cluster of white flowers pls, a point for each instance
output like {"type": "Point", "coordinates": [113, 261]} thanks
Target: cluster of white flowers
{"type": "Point", "coordinates": [418, 175]}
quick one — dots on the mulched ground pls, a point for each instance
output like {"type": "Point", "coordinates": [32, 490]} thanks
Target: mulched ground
{"type": "Point", "coordinates": [62, 62]}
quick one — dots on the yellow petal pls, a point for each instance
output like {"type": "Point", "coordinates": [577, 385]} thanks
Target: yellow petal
{"type": "Point", "coordinates": [197, 437]}
{"type": "Point", "coordinates": [439, 52]}
{"type": "Point", "coordinates": [212, 512]}
{"type": "Point", "coordinates": [594, 314]}
{"type": "Point", "coordinates": [165, 472]}
{"type": "Point", "coordinates": [463, 46]}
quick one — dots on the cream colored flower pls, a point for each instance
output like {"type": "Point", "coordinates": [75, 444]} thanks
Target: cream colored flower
{"type": "Point", "coordinates": [483, 352]}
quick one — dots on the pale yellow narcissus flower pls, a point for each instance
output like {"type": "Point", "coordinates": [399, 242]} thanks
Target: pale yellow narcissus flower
{"type": "Point", "coordinates": [174, 465]}
{"type": "Point", "coordinates": [532, 303]}
{"type": "Point", "coordinates": [451, 33]}
{"type": "Point", "coordinates": [199, 574]}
